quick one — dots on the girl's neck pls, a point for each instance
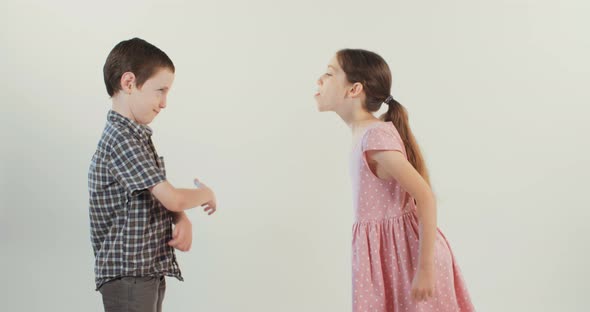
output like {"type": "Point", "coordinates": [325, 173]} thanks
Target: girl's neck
{"type": "Point", "coordinates": [358, 118]}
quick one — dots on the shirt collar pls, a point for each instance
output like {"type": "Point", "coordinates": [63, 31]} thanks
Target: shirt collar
{"type": "Point", "coordinates": [142, 131]}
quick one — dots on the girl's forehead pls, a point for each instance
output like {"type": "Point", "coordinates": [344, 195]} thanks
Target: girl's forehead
{"type": "Point", "coordinates": [334, 64]}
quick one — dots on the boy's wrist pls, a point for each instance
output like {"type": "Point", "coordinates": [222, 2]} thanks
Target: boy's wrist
{"type": "Point", "coordinates": [210, 194]}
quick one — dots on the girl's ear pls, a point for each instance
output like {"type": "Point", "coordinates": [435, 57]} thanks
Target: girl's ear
{"type": "Point", "coordinates": [355, 90]}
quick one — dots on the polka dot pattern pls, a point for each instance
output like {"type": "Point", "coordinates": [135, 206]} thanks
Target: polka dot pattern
{"type": "Point", "coordinates": [385, 241]}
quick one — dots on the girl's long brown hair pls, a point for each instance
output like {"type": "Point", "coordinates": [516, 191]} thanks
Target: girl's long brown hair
{"type": "Point", "coordinates": [371, 70]}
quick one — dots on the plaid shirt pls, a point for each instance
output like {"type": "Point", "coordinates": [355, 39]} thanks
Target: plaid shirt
{"type": "Point", "coordinates": [130, 229]}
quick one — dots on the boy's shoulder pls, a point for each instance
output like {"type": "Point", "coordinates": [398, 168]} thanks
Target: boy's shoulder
{"type": "Point", "coordinates": [116, 134]}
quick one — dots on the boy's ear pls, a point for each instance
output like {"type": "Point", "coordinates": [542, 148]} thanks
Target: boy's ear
{"type": "Point", "coordinates": [127, 82]}
{"type": "Point", "coordinates": [355, 90]}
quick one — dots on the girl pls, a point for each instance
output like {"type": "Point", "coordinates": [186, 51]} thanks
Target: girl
{"type": "Point", "coordinates": [401, 261]}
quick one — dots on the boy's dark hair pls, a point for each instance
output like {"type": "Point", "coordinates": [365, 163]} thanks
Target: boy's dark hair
{"type": "Point", "coordinates": [135, 55]}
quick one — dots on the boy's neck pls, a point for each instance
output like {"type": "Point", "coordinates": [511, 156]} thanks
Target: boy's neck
{"type": "Point", "coordinates": [121, 107]}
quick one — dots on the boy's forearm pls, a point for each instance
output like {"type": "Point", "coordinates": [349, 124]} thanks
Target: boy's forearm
{"type": "Point", "coordinates": [178, 215]}
{"type": "Point", "coordinates": [190, 198]}
{"type": "Point", "coordinates": [178, 200]}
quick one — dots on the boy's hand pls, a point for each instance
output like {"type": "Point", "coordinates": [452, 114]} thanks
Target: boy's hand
{"type": "Point", "coordinates": [182, 236]}
{"type": "Point", "coordinates": [211, 205]}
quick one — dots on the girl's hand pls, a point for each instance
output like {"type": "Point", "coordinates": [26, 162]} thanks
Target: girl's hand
{"type": "Point", "coordinates": [423, 285]}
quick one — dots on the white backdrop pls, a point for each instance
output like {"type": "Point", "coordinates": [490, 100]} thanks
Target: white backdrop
{"type": "Point", "coordinates": [495, 95]}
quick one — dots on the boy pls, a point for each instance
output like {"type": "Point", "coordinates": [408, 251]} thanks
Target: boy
{"type": "Point", "coordinates": [132, 206]}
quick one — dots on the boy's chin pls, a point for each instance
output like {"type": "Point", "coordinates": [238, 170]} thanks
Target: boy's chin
{"type": "Point", "coordinates": [146, 120]}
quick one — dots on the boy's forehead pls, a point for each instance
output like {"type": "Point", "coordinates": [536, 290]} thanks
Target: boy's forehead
{"type": "Point", "coordinates": [162, 76]}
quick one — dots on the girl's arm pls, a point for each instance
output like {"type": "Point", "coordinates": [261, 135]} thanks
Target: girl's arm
{"type": "Point", "coordinates": [395, 165]}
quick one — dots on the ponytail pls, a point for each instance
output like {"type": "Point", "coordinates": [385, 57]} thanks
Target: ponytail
{"type": "Point", "coordinates": [398, 115]}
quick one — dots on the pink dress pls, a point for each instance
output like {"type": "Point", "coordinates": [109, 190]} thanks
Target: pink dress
{"type": "Point", "coordinates": [386, 239]}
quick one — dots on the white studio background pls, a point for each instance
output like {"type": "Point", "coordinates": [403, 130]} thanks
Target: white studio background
{"type": "Point", "coordinates": [495, 92]}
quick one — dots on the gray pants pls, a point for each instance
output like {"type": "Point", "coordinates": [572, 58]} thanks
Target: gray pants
{"type": "Point", "coordinates": [134, 294]}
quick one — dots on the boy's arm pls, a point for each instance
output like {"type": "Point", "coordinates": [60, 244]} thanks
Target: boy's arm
{"type": "Point", "coordinates": [182, 236]}
{"type": "Point", "coordinates": [178, 200]}
{"type": "Point", "coordinates": [178, 216]}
